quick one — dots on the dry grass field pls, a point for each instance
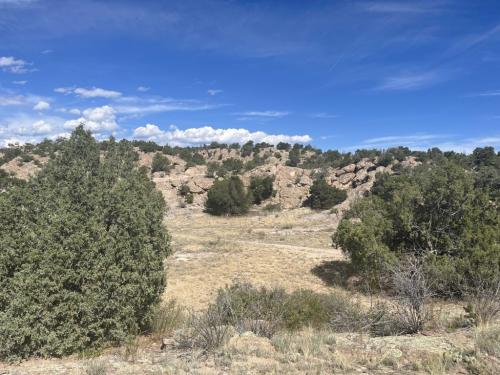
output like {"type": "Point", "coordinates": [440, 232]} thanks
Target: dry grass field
{"type": "Point", "coordinates": [290, 249]}
{"type": "Point", "coordinates": [264, 248]}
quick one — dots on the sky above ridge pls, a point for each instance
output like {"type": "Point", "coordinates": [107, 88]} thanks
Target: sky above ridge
{"type": "Point", "coordinates": [335, 74]}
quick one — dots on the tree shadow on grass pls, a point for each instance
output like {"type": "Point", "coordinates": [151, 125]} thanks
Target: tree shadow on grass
{"type": "Point", "coordinates": [336, 273]}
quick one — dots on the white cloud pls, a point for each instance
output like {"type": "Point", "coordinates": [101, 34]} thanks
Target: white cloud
{"type": "Point", "coordinates": [41, 106]}
{"type": "Point", "coordinates": [139, 106]}
{"type": "Point", "coordinates": [207, 134]}
{"type": "Point", "coordinates": [99, 120]}
{"type": "Point", "coordinates": [21, 83]}
{"type": "Point", "coordinates": [11, 100]}
{"type": "Point", "coordinates": [409, 82]}
{"type": "Point", "coordinates": [263, 114]}
{"type": "Point", "coordinates": [13, 65]}
{"type": "Point", "coordinates": [213, 92]}
{"type": "Point", "coordinates": [94, 92]}
{"type": "Point", "coordinates": [488, 93]}
{"type": "Point", "coordinates": [23, 128]}
{"type": "Point", "coordinates": [143, 88]}
{"type": "Point", "coordinates": [323, 115]}
{"type": "Point", "coordinates": [72, 111]}
{"type": "Point", "coordinates": [398, 7]}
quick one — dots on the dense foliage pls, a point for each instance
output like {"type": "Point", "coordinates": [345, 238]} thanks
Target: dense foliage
{"type": "Point", "coordinates": [323, 196]}
{"type": "Point", "coordinates": [442, 212]}
{"type": "Point", "coordinates": [227, 197]}
{"type": "Point", "coordinates": [81, 252]}
{"type": "Point", "coordinates": [261, 188]}
{"type": "Point", "coordinates": [160, 163]}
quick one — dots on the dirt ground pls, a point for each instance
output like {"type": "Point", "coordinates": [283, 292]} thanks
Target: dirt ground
{"type": "Point", "coordinates": [286, 249]}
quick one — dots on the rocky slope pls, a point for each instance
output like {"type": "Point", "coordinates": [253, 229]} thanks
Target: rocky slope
{"type": "Point", "coordinates": [291, 183]}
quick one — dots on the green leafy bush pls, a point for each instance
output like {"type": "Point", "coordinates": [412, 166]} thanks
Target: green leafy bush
{"type": "Point", "coordinates": [433, 211]}
{"type": "Point", "coordinates": [323, 196]}
{"type": "Point", "coordinates": [160, 163]}
{"type": "Point", "coordinates": [81, 255]}
{"type": "Point", "coordinates": [293, 157]}
{"type": "Point", "coordinates": [227, 197]}
{"type": "Point", "coordinates": [261, 188]}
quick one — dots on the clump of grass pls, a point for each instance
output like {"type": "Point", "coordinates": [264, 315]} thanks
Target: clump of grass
{"type": "Point", "coordinates": [96, 368]}
{"type": "Point", "coordinates": [131, 349]}
{"type": "Point", "coordinates": [167, 317]}
{"type": "Point", "coordinates": [207, 331]}
{"type": "Point", "coordinates": [487, 340]}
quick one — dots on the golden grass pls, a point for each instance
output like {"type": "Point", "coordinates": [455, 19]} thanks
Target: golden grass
{"type": "Point", "coordinates": [211, 252]}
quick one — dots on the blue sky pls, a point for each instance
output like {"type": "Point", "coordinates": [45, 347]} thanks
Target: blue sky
{"type": "Point", "coordinates": [336, 74]}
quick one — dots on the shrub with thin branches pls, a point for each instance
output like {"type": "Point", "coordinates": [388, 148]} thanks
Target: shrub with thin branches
{"type": "Point", "coordinates": [413, 292]}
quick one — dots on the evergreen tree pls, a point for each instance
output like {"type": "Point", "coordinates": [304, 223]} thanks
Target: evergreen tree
{"type": "Point", "coordinates": [81, 252]}
{"type": "Point", "coordinates": [227, 197]}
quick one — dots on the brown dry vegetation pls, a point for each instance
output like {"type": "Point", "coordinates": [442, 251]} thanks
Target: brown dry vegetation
{"type": "Point", "coordinates": [290, 249]}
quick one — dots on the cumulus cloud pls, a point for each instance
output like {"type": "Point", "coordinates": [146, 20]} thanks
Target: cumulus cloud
{"type": "Point", "coordinates": [207, 134]}
{"type": "Point", "coordinates": [24, 128]}
{"type": "Point", "coordinates": [143, 88]}
{"type": "Point", "coordinates": [94, 92]}
{"type": "Point", "coordinates": [41, 106]}
{"type": "Point", "coordinates": [13, 65]}
{"type": "Point", "coordinates": [99, 120]}
{"type": "Point", "coordinates": [20, 83]}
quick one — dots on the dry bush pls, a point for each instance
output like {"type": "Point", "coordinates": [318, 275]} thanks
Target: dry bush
{"type": "Point", "coordinates": [166, 318]}
{"type": "Point", "coordinates": [247, 308]}
{"type": "Point", "coordinates": [487, 340]}
{"type": "Point", "coordinates": [96, 368]}
{"type": "Point", "coordinates": [206, 331]}
{"type": "Point", "coordinates": [413, 292]}
{"type": "Point", "coordinates": [483, 296]}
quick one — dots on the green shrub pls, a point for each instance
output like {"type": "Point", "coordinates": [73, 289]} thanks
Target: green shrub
{"type": "Point", "coordinates": [227, 197]}
{"type": "Point", "coordinates": [323, 196]}
{"type": "Point", "coordinates": [81, 263]}
{"type": "Point", "coordinates": [293, 157]}
{"type": "Point", "coordinates": [432, 211]}
{"type": "Point", "coordinates": [306, 308]}
{"type": "Point", "coordinates": [261, 188]}
{"type": "Point", "coordinates": [184, 190]}
{"type": "Point", "coordinates": [232, 165]}
{"type": "Point", "coordinates": [160, 163]}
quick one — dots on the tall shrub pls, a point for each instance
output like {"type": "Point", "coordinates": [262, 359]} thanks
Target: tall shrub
{"type": "Point", "coordinates": [227, 197]}
{"type": "Point", "coordinates": [81, 252]}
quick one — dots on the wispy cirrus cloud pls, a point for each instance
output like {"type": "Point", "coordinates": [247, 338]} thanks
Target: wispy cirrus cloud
{"type": "Point", "coordinates": [213, 92]}
{"type": "Point", "coordinates": [208, 134]}
{"type": "Point", "coordinates": [323, 115]}
{"type": "Point", "coordinates": [400, 7]}
{"type": "Point", "coordinates": [93, 92]}
{"type": "Point", "coordinates": [409, 82]}
{"type": "Point", "coordinates": [262, 114]}
{"type": "Point", "coordinates": [486, 93]}
{"type": "Point", "coordinates": [143, 106]}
